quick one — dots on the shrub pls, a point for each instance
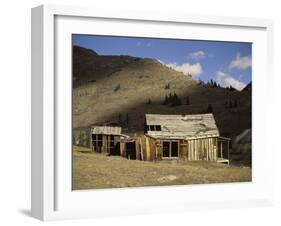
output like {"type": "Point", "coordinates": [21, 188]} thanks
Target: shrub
{"type": "Point", "coordinates": [117, 88]}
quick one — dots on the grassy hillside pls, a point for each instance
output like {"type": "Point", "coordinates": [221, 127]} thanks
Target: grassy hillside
{"type": "Point", "coordinates": [108, 90]}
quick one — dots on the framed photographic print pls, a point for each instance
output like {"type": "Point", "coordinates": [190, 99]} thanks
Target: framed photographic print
{"type": "Point", "coordinates": [137, 112]}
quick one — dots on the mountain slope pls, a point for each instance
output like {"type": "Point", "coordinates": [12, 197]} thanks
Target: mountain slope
{"type": "Point", "coordinates": [119, 90]}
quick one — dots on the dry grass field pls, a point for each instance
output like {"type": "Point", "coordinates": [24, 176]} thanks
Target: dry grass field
{"type": "Point", "coordinates": [94, 170]}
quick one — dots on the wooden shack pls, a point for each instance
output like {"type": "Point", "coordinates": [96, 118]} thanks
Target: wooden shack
{"type": "Point", "coordinates": [106, 139]}
{"type": "Point", "coordinates": [189, 137]}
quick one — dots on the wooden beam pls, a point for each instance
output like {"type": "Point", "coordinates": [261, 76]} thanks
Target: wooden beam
{"type": "Point", "coordinates": [221, 151]}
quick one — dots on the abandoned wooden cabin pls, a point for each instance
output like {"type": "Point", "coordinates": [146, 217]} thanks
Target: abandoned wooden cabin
{"type": "Point", "coordinates": [189, 137]}
{"type": "Point", "coordinates": [110, 140]}
{"type": "Point", "coordinates": [106, 139]}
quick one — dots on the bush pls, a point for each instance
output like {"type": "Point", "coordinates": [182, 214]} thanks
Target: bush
{"type": "Point", "coordinates": [117, 88]}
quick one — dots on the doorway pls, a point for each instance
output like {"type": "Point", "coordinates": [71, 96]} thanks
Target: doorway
{"type": "Point", "coordinates": [131, 150]}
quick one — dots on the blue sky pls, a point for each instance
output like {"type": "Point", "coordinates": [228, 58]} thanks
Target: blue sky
{"type": "Point", "coordinates": [228, 63]}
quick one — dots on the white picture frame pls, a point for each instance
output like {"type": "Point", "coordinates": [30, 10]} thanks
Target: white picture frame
{"type": "Point", "coordinates": [52, 197]}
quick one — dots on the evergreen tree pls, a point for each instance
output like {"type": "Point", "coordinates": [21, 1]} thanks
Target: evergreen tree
{"type": "Point", "coordinates": [210, 108]}
{"type": "Point", "coordinates": [187, 100]}
{"type": "Point", "coordinates": [166, 101]}
{"type": "Point", "coordinates": [174, 100]}
{"type": "Point", "coordinates": [215, 84]}
{"type": "Point", "coordinates": [226, 104]}
{"type": "Point", "coordinates": [231, 88]}
{"type": "Point", "coordinates": [230, 104]}
{"type": "Point", "coordinates": [167, 86]}
{"type": "Point", "coordinates": [178, 101]}
{"type": "Point", "coordinates": [170, 97]}
{"type": "Point", "coordinates": [120, 120]}
{"type": "Point", "coordinates": [200, 82]}
{"type": "Point", "coordinates": [127, 119]}
{"type": "Point", "coordinates": [235, 105]}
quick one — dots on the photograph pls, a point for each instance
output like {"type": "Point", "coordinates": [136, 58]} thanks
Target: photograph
{"type": "Point", "coordinates": [150, 111]}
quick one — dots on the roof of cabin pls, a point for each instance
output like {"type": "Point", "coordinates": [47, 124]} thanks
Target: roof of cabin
{"type": "Point", "coordinates": [182, 126]}
{"type": "Point", "coordinates": [106, 130]}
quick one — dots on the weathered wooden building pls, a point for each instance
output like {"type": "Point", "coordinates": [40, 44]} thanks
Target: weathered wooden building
{"type": "Point", "coordinates": [81, 137]}
{"type": "Point", "coordinates": [189, 137]}
{"type": "Point", "coordinates": [106, 139]}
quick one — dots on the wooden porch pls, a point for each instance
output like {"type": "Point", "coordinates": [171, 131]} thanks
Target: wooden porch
{"type": "Point", "coordinates": [223, 150]}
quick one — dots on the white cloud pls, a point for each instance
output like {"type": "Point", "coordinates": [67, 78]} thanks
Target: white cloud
{"type": "Point", "coordinates": [241, 63]}
{"type": "Point", "coordinates": [194, 69]}
{"type": "Point", "coordinates": [160, 61]}
{"type": "Point", "coordinates": [198, 55]}
{"type": "Point", "coordinates": [226, 80]}
{"type": "Point", "coordinates": [143, 44]}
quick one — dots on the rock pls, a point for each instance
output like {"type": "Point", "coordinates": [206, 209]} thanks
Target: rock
{"type": "Point", "coordinates": [167, 178]}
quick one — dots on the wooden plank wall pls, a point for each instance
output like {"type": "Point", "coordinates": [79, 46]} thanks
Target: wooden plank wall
{"type": "Point", "coordinates": [81, 137]}
{"type": "Point", "coordinates": [123, 149]}
{"type": "Point", "coordinates": [201, 149]}
{"type": "Point", "coordinates": [183, 152]}
{"type": "Point", "coordinates": [148, 149]}
{"type": "Point", "coordinates": [104, 143]}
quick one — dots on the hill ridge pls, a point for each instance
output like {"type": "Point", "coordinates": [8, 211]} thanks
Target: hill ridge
{"type": "Point", "coordinates": [108, 88]}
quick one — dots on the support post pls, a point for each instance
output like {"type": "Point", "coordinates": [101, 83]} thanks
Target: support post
{"type": "Point", "coordinates": [221, 150]}
{"type": "Point", "coordinates": [91, 140]}
{"type": "Point", "coordinates": [228, 151]}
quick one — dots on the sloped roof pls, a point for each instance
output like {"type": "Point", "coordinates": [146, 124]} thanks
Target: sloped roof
{"type": "Point", "coordinates": [183, 126]}
{"type": "Point", "coordinates": [106, 130]}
